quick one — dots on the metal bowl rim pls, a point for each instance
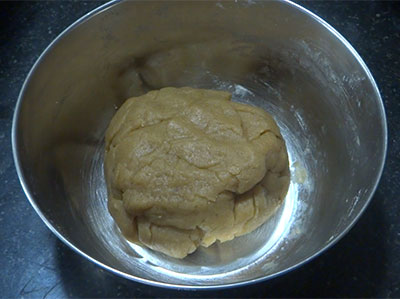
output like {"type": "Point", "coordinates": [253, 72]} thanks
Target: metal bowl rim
{"type": "Point", "coordinates": [30, 196]}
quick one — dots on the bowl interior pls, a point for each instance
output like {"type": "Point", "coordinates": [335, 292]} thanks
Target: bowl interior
{"type": "Point", "coordinates": [270, 54]}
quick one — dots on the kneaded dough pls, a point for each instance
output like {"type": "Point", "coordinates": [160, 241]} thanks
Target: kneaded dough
{"type": "Point", "coordinates": [186, 167]}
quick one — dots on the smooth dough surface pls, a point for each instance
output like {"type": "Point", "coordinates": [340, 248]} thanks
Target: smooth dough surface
{"type": "Point", "coordinates": [186, 167]}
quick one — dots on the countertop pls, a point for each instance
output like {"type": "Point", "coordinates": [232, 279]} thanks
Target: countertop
{"type": "Point", "coordinates": [365, 263]}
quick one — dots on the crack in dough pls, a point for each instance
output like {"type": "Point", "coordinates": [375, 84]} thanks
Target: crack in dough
{"type": "Point", "coordinates": [188, 167]}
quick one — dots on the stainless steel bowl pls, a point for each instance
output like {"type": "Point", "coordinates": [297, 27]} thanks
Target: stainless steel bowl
{"type": "Point", "coordinates": [275, 55]}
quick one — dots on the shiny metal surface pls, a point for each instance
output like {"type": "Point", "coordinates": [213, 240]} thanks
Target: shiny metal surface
{"type": "Point", "coordinates": [275, 55]}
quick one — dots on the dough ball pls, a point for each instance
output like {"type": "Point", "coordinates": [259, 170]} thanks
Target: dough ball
{"type": "Point", "coordinates": [187, 167]}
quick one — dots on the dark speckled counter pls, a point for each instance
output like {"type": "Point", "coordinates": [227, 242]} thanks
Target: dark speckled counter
{"type": "Point", "coordinates": [34, 263]}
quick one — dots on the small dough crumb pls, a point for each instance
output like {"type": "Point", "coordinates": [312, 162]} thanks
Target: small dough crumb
{"type": "Point", "coordinates": [300, 174]}
{"type": "Point", "coordinates": [186, 167]}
